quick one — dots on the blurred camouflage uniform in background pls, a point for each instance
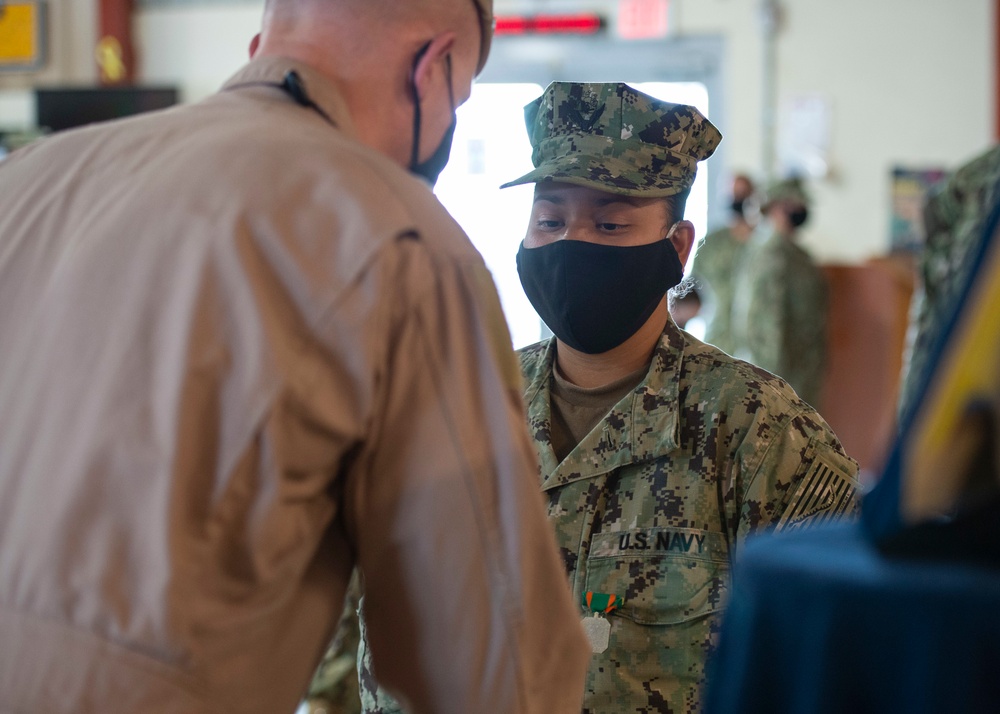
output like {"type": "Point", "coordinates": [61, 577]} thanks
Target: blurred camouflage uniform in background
{"type": "Point", "coordinates": [781, 304]}
{"type": "Point", "coordinates": [716, 264]}
{"type": "Point", "coordinates": [954, 219]}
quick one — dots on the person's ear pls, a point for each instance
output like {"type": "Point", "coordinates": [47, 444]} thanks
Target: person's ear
{"type": "Point", "coordinates": [254, 44]}
{"type": "Point", "coordinates": [681, 236]}
{"type": "Point", "coordinates": [430, 60]}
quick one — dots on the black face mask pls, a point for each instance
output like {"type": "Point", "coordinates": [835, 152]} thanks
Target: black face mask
{"type": "Point", "coordinates": [434, 165]}
{"type": "Point", "coordinates": [594, 297]}
{"type": "Point", "coordinates": [798, 216]}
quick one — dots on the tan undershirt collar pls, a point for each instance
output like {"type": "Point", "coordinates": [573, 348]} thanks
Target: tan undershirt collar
{"type": "Point", "coordinates": [576, 411]}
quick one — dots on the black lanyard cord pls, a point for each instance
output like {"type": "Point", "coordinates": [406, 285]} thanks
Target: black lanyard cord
{"type": "Point", "coordinates": [293, 86]}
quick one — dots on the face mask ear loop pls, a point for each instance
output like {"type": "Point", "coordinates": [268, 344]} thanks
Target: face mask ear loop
{"type": "Point", "coordinates": [415, 152]}
{"type": "Point", "coordinates": [451, 94]}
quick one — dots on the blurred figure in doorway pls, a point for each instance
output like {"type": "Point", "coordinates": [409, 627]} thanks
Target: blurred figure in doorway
{"type": "Point", "coordinates": [717, 262]}
{"type": "Point", "coordinates": [780, 308]}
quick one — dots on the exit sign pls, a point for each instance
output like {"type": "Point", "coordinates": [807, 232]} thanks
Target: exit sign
{"type": "Point", "coordinates": [643, 19]}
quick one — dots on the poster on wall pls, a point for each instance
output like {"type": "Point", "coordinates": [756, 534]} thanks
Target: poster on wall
{"type": "Point", "coordinates": [22, 34]}
{"type": "Point", "coordinates": [910, 189]}
{"type": "Point", "coordinates": [804, 136]}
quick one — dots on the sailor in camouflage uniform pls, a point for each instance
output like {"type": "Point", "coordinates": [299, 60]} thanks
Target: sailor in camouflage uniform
{"type": "Point", "coordinates": [654, 480]}
{"type": "Point", "coordinates": [718, 261]}
{"type": "Point", "coordinates": [780, 303]}
{"type": "Point", "coordinates": [954, 220]}
{"type": "Point", "coordinates": [659, 454]}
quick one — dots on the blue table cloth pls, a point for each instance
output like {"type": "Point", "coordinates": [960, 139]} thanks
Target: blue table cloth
{"type": "Point", "coordinates": [819, 621]}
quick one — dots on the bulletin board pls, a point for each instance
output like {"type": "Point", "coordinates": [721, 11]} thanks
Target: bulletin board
{"type": "Point", "coordinates": [910, 189]}
{"type": "Point", "coordinates": [22, 34]}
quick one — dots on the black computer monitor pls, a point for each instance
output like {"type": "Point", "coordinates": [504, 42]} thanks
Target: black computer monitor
{"type": "Point", "coordinates": [60, 108]}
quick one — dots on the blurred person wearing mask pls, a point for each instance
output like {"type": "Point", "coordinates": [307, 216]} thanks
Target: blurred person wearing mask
{"type": "Point", "coordinates": [717, 262]}
{"type": "Point", "coordinates": [780, 301]}
{"type": "Point", "coordinates": [659, 454]}
{"type": "Point", "coordinates": [245, 350]}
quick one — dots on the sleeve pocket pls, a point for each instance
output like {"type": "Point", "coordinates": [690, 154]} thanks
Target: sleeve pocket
{"type": "Point", "coordinates": [825, 488]}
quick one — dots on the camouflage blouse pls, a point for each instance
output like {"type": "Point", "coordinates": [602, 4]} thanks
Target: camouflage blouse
{"type": "Point", "coordinates": [655, 502]}
{"type": "Point", "coordinates": [716, 265]}
{"type": "Point", "coordinates": [955, 218]}
{"type": "Point", "coordinates": [780, 313]}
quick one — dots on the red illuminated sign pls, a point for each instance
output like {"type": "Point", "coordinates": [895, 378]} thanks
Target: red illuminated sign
{"type": "Point", "coordinates": [643, 19]}
{"type": "Point", "coordinates": [579, 24]}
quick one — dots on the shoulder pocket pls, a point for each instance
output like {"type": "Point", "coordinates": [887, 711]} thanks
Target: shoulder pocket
{"type": "Point", "coordinates": [666, 576]}
{"type": "Point", "coordinates": [824, 489]}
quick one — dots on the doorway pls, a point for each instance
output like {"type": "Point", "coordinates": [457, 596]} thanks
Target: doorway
{"type": "Point", "coordinates": [491, 145]}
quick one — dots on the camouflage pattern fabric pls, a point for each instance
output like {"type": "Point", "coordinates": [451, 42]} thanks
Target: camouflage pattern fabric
{"type": "Point", "coordinates": [656, 501]}
{"type": "Point", "coordinates": [334, 688]}
{"type": "Point", "coordinates": [779, 314]}
{"type": "Point", "coordinates": [954, 220]}
{"type": "Point", "coordinates": [374, 699]}
{"type": "Point", "coordinates": [614, 138]}
{"type": "Point", "coordinates": [718, 260]}
{"type": "Point", "coordinates": [789, 189]}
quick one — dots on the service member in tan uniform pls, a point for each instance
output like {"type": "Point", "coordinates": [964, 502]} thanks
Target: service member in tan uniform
{"type": "Point", "coordinates": [244, 350]}
{"type": "Point", "coordinates": [659, 454]}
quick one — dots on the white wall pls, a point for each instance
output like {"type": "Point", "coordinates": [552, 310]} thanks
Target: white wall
{"type": "Point", "coordinates": [194, 47]}
{"type": "Point", "coordinates": [198, 48]}
{"type": "Point", "coordinates": [910, 82]}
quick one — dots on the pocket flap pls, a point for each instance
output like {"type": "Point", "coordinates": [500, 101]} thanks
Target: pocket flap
{"type": "Point", "coordinates": [665, 575]}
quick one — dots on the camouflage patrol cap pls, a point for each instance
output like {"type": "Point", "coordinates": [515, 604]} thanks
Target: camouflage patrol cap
{"type": "Point", "coordinates": [614, 138]}
{"type": "Point", "coordinates": [484, 9]}
{"type": "Point", "coordinates": [790, 189]}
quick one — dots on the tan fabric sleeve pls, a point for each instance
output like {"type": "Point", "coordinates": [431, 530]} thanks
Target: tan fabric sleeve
{"type": "Point", "coordinates": [466, 604]}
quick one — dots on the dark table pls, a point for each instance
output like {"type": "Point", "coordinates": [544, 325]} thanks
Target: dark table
{"type": "Point", "coordinates": [819, 621]}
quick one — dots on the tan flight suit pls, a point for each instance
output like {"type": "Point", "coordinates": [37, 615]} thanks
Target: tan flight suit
{"type": "Point", "coordinates": [241, 354]}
